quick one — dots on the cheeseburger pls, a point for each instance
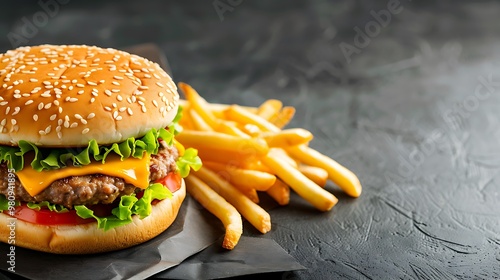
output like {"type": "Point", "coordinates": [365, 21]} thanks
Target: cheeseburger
{"type": "Point", "coordinates": [88, 159]}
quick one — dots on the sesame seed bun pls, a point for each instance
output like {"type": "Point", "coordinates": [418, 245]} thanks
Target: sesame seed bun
{"type": "Point", "coordinates": [60, 96]}
{"type": "Point", "coordinates": [87, 238]}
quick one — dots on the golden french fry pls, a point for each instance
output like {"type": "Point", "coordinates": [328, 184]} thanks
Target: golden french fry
{"type": "Point", "coordinates": [219, 207]}
{"type": "Point", "coordinates": [198, 122]}
{"type": "Point", "coordinates": [217, 140]}
{"type": "Point", "coordinates": [269, 109]}
{"type": "Point", "coordinates": [283, 155]}
{"type": "Point", "coordinates": [242, 116]}
{"type": "Point", "coordinates": [280, 192]}
{"type": "Point", "coordinates": [340, 175]}
{"type": "Point", "coordinates": [307, 189]}
{"type": "Point", "coordinates": [217, 109]}
{"type": "Point", "coordinates": [199, 104]}
{"type": "Point", "coordinates": [227, 128]}
{"type": "Point", "coordinates": [284, 117]}
{"type": "Point", "coordinates": [251, 129]}
{"type": "Point", "coordinates": [317, 174]}
{"type": "Point", "coordinates": [287, 137]}
{"type": "Point", "coordinates": [238, 159]}
{"type": "Point", "coordinates": [250, 179]}
{"type": "Point", "coordinates": [257, 216]}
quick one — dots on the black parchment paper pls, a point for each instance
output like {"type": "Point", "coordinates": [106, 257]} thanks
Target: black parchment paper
{"type": "Point", "coordinates": [251, 256]}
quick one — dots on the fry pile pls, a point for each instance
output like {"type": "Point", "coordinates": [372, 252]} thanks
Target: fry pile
{"type": "Point", "coordinates": [245, 151]}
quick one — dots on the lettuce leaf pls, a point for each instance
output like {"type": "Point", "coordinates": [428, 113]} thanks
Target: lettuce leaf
{"type": "Point", "coordinates": [129, 205]}
{"type": "Point", "coordinates": [50, 158]}
{"type": "Point", "coordinates": [52, 207]}
{"type": "Point", "coordinates": [189, 160]}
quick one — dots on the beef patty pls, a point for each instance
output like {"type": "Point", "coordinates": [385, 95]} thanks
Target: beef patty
{"type": "Point", "coordinates": [94, 188]}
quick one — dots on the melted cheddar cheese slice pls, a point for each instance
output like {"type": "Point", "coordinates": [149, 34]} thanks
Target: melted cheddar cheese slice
{"type": "Point", "coordinates": [133, 170]}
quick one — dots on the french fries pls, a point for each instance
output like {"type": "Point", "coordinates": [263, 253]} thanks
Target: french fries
{"type": "Point", "coordinates": [317, 196]}
{"type": "Point", "coordinates": [246, 152]}
{"type": "Point", "coordinates": [254, 214]}
{"type": "Point", "coordinates": [230, 217]}
{"type": "Point", "coordinates": [247, 178]}
{"type": "Point", "coordinates": [340, 175]}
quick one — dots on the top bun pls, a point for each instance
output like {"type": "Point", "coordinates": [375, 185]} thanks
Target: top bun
{"type": "Point", "coordinates": [64, 96]}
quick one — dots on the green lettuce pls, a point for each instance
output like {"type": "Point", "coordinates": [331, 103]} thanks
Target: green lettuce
{"type": "Point", "coordinates": [52, 207]}
{"type": "Point", "coordinates": [50, 158]}
{"type": "Point", "coordinates": [189, 160]}
{"type": "Point", "coordinates": [129, 205]}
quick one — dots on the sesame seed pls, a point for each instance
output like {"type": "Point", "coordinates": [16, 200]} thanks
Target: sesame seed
{"type": "Point", "coordinates": [46, 94]}
{"type": "Point", "coordinates": [7, 110]}
{"type": "Point", "coordinates": [59, 135]}
{"type": "Point", "coordinates": [118, 77]}
{"type": "Point", "coordinates": [13, 121]}
{"type": "Point", "coordinates": [107, 108]}
{"type": "Point", "coordinates": [108, 92]}
{"type": "Point", "coordinates": [16, 111]}
{"type": "Point", "coordinates": [4, 122]}
{"type": "Point", "coordinates": [66, 124]}
{"type": "Point", "coordinates": [115, 90]}
{"type": "Point", "coordinates": [115, 114]}
{"type": "Point", "coordinates": [73, 99]}
{"type": "Point", "coordinates": [33, 80]}
{"type": "Point", "coordinates": [85, 131]}
{"type": "Point", "coordinates": [47, 129]}
{"type": "Point", "coordinates": [122, 109]}
{"type": "Point", "coordinates": [35, 117]}
{"type": "Point", "coordinates": [92, 100]}
{"type": "Point", "coordinates": [56, 102]}
{"type": "Point", "coordinates": [28, 102]}
{"type": "Point", "coordinates": [90, 116]}
{"type": "Point", "coordinates": [115, 83]}
{"type": "Point", "coordinates": [40, 106]}
{"type": "Point", "coordinates": [58, 128]}
{"type": "Point", "coordinates": [119, 97]}
{"type": "Point", "coordinates": [119, 118]}
{"type": "Point", "coordinates": [73, 125]}
{"type": "Point", "coordinates": [81, 92]}
{"type": "Point", "coordinates": [80, 85]}
{"type": "Point", "coordinates": [60, 110]}
{"type": "Point", "coordinates": [129, 111]}
{"type": "Point", "coordinates": [48, 105]}
{"type": "Point", "coordinates": [143, 108]}
{"type": "Point", "coordinates": [47, 83]}
{"type": "Point", "coordinates": [41, 132]}
{"type": "Point", "coordinates": [91, 83]}
{"type": "Point", "coordinates": [17, 95]}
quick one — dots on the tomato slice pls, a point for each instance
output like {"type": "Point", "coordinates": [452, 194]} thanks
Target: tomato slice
{"type": "Point", "coordinates": [172, 181]}
{"type": "Point", "coordinates": [46, 217]}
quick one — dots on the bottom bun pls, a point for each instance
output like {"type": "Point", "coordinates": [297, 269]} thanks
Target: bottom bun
{"type": "Point", "coordinates": [87, 238]}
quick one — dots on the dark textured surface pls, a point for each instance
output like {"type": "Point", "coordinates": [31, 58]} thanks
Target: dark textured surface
{"type": "Point", "coordinates": [413, 112]}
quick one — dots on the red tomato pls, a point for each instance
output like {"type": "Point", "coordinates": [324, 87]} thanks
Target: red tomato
{"type": "Point", "coordinates": [172, 181]}
{"type": "Point", "coordinates": [47, 217]}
